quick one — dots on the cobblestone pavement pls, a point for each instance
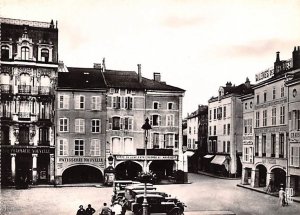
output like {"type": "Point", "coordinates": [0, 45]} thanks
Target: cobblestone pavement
{"type": "Point", "coordinates": [202, 194]}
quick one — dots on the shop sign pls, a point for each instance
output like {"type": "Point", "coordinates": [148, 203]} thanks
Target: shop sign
{"type": "Point", "coordinates": [272, 129]}
{"type": "Point", "coordinates": [149, 157]}
{"type": "Point", "coordinates": [268, 73]}
{"type": "Point", "coordinates": [245, 142]}
{"type": "Point", "coordinates": [27, 150]}
{"type": "Point", "coordinates": [81, 159]}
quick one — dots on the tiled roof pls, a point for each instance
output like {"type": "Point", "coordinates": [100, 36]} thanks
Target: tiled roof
{"type": "Point", "coordinates": [241, 89]}
{"type": "Point", "coordinates": [81, 78]}
{"type": "Point", "coordinates": [129, 79]}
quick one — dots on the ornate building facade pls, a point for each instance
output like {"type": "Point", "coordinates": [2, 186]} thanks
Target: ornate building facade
{"type": "Point", "coordinates": [29, 56]}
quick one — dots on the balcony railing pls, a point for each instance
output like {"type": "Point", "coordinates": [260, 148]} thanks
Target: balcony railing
{"type": "Point", "coordinates": [24, 115]}
{"type": "Point", "coordinates": [25, 89]}
{"type": "Point", "coordinates": [44, 117]}
{"type": "Point", "coordinates": [43, 90]}
{"type": "Point", "coordinates": [44, 143]}
{"type": "Point", "coordinates": [6, 88]}
{"type": "Point", "coordinates": [5, 115]}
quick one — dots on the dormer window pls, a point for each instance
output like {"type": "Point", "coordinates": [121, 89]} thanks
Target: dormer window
{"type": "Point", "coordinates": [45, 55]}
{"type": "Point", "coordinates": [4, 52]}
{"type": "Point", "coordinates": [24, 53]}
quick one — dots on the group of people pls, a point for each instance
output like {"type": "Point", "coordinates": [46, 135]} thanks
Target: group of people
{"type": "Point", "coordinates": [117, 208]}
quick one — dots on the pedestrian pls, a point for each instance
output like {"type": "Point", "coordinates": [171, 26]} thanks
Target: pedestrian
{"type": "Point", "coordinates": [270, 186]}
{"type": "Point", "coordinates": [281, 197]}
{"type": "Point", "coordinates": [89, 210]}
{"type": "Point", "coordinates": [105, 210]}
{"type": "Point", "coordinates": [116, 208]}
{"type": "Point", "coordinates": [80, 211]}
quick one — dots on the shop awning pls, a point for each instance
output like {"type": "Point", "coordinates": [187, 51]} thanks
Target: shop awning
{"type": "Point", "coordinates": [219, 159]}
{"type": "Point", "coordinates": [208, 156]}
{"type": "Point", "coordinates": [189, 153]}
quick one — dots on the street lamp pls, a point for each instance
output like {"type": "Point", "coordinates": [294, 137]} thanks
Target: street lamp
{"type": "Point", "coordinates": [146, 127]}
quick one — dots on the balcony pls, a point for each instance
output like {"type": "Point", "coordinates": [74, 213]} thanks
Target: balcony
{"type": "Point", "coordinates": [44, 90]}
{"type": "Point", "coordinates": [24, 116]}
{"type": "Point", "coordinates": [5, 115]}
{"type": "Point", "coordinates": [24, 89]}
{"type": "Point", "coordinates": [6, 88]}
{"type": "Point", "coordinates": [44, 143]}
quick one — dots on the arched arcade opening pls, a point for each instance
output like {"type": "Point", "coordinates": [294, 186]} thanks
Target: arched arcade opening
{"type": "Point", "coordinates": [127, 170]}
{"type": "Point", "coordinates": [279, 178]}
{"type": "Point", "coordinates": [162, 169]}
{"type": "Point", "coordinates": [82, 174]}
{"type": "Point", "coordinates": [261, 175]}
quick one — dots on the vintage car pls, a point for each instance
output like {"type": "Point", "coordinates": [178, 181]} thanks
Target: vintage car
{"type": "Point", "coordinates": [156, 204]}
{"type": "Point", "coordinates": [134, 193]}
{"type": "Point", "coordinates": [121, 184]}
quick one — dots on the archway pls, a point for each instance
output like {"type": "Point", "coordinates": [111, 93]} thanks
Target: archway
{"type": "Point", "coordinates": [262, 175]}
{"type": "Point", "coordinates": [162, 169]}
{"type": "Point", "coordinates": [127, 170]}
{"type": "Point", "coordinates": [82, 174]}
{"type": "Point", "coordinates": [279, 178]}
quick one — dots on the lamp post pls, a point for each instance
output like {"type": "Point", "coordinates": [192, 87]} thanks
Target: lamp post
{"type": "Point", "coordinates": [146, 127]}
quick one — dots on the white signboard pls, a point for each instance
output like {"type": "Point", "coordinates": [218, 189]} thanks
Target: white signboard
{"type": "Point", "coordinates": [149, 157]}
{"type": "Point", "coordinates": [268, 73]}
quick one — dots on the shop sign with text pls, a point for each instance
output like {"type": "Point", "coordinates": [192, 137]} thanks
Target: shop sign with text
{"type": "Point", "coordinates": [149, 157]}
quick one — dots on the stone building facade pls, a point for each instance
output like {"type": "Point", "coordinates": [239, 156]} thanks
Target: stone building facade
{"type": "Point", "coordinates": [29, 62]}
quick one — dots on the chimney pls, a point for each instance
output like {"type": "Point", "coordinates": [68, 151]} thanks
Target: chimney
{"type": "Point", "coordinates": [103, 64]}
{"type": "Point", "coordinates": [277, 57]}
{"type": "Point", "coordinates": [139, 73]}
{"type": "Point", "coordinates": [228, 84]}
{"type": "Point", "coordinates": [277, 63]}
{"type": "Point", "coordinates": [296, 58]}
{"type": "Point", "coordinates": [247, 83]}
{"type": "Point", "coordinates": [97, 66]}
{"type": "Point", "coordinates": [156, 76]}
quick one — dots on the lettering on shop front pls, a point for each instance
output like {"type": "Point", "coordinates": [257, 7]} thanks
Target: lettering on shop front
{"type": "Point", "coordinates": [149, 157]}
{"type": "Point", "coordinates": [271, 129]}
{"type": "Point", "coordinates": [80, 160]}
{"type": "Point", "coordinates": [29, 150]}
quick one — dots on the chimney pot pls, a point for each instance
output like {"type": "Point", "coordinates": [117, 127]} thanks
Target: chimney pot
{"type": "Point", "coordinates": [139, 73]}
{"type": "Point", "coordinates": [156, 76]}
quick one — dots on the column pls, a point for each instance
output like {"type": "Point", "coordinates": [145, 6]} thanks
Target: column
{"type": "Point", "coordinates": [244, 176]}
{"type": "Point", "coordinates": [51, 164]}
{"type": "Point", "coordinates": [255, 178]}
{"type": "Point", "coordinates": [13, 167]}
{"type": "Point", "coordinates": [34, 168]}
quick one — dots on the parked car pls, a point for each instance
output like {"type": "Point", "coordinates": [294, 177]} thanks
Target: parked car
{"type": "Point", "coordinates": [156, 204]}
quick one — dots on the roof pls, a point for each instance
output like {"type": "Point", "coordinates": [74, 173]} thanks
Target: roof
{"type": "Point", "coordinates": [130, 79]}
{"type": "Point", "coordinates": [81, 78]}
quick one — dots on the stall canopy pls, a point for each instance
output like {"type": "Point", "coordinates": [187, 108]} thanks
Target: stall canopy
{"type": "Point", "coordinates": [208, 156]}
{"type": "Point", "coordinates": [219, 159]}
{"type": "Point", "coordinates": [189, 153]}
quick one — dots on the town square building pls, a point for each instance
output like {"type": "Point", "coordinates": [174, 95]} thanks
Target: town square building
{"type": "Point", "coordinates": [81, 124]}
{"type": "Point", "coordinates": [225, 130]}
{"type": "Point", "coordinates": [131, 99]}
{"type": "Point", "coordinates": [29, 62]}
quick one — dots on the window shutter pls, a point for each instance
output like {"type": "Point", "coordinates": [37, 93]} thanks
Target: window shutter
{"type": "Point", "coordinates": [151, 120]}
{"type": "Point", "coordinates": [114, 102]}
{"type": "Point", "coordinates": [130, 120]}
{"type": "Point", "coordinates": [121, 123]}
{"type": "Point", "coordinates": [109, 123]}
{"type": "Point", "coordinates": [98, 103]}
{"type": "Point", "coordinates": [118, 102]}
{"type": "Point", "coordinates": [130, 102]}
{"type": "Point", "coordinates": [66, 101]}
{"type": "Point", "coordinates": [76, 102]}
{"type": "Point", "coordinates": [159, 120]}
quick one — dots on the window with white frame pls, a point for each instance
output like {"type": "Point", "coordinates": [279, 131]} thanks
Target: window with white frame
{"type": "Point", "coordinates": [281, 145]}
{"type": "Point", "coordinates": [128, 123]}
{"type": "Point", "coordinates": [63, 147]}
{"type": "Point", "coordinates": [224, 146]}
{"type": "Point", "coordinates": [169, 140]}
{"type": "Point", "coordinates": [45, 55]}
{"type": "Point", "coordinates": [170, 106]}
{"type": "Point", "coordinates": [79, 125]}
{"type": "Point", "coordinates": [295, 156]}
{"type": "Point", "coordinates": [116, 102]}
{"type": "Point", "coordinates": [257, 119]}
{"type": "Point", "coordinates": [209, 114]}
{"type": "Point", "coordinates": [170, 120]}
{"type": "Point", "coordinates": [215, 130]}
{"type": "Point", "coordinates": [63, 102]}
{"type": "Point", "coordinates": [129, 146]}
{"type": "Point", "coordinates": [96, 103]}
{"type": "Point", "coordinates": [295, 114]}
{"type": "Point", "coordinates": [128, 102]}
{"type": "Point", "coordinates": [156, 105]}
{"type": "Point", "coordinates": [95, 147]}
{"type": "Point", "coordinates": [248, 154]}
{"type": "Point", "coordinates": [224, 112]}
{"type": "Point", "coordinates": [264, 117]}
{"type": "Point", "coordinates": [117, 147]}
{"type": "Point", "coordinates": [215, 113]}
{"type": "Point", "coordinates": [155, 120]}
{"type": "Point", "coordinates": [115, 123]}
{"type": "Point", "coordinates": [79, 102]}
{"type": "Point", "coordinates": [248, 126]}
{"type": "Point", "coordinates": [264, 145]}
{"type": "Point", "coordinates": [274, 116]}
{"type": "Point", "coordinates": [282, 115]}
{"type": "Point", "coordinates": [256, 145]}
{"type": "Point", "coordinates": [63, 124]}
{"type": "Point", "coordinates": [96, 125]}
{"type": "Point", "coordinates": [79, 147]}
{"type": "Point", "coordinates": [24, 53]}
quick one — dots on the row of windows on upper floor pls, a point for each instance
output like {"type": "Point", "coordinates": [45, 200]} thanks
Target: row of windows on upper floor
{"type": "Point", "coordinates": [114, 123]}
{"type": "Point", "coordinates": [265, 95]}
{"type": "Point", "coordinates": [117, 102]}
{"type": "Point", "coordinates": [25, 53]}
{"type": "Point", "coordinates": [214, 132]}
{"type": "Point", "coordinates": [25, 80]}
{"type": "Point", "coordinates": [213, 147]}
{"type": "Point", "coordinates": [218, 113]}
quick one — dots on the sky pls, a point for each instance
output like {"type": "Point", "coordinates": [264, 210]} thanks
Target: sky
{"type": "Point", "coordinates": [197, 45]}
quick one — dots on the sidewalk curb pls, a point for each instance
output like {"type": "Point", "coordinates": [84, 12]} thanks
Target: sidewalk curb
{"type": "Point", "coordinates": [216, 176]}
{"type": "Point", "coordinates": [263, 192]}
